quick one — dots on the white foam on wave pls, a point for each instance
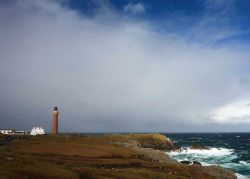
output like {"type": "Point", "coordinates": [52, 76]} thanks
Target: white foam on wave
{"type": "Point", "coordinates": [206, 164]}
{"type": "Point", "coordinates": [241, 164]}
{"type": "Point", "coordinates": [215, 156]}
{"type": "Point", "coordinates": [239, 176]}
{"type": "Point", "coordinates": [244, 162]}
{"type": "Point", "coordinates": [213, 152]}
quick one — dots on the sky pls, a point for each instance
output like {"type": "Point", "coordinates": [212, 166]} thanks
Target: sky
{"type": "Point", "coordinates": [125, 65]}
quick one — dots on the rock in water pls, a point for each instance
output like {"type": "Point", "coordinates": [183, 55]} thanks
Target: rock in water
{"type": "Point", "coordinates": [199, 146]}
{"type": "Point", "coordinates": [186, 162]}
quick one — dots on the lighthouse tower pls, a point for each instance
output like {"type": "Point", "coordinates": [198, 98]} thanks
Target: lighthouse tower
{"type": "Point", "coordinates": [55, 121]}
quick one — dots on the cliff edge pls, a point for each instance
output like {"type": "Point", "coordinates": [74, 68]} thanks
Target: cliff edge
{"type": "Point", "coordinates": [153, 141]}
{"type": "Point", "coordinates": [152, 146]}
{"type": "Point", "coordinates": [98, 156]}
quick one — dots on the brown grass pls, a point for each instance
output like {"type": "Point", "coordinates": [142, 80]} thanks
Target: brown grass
{"type": "Point", "coordinates": [85, 157]}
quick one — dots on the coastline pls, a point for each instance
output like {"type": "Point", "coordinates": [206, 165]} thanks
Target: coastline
{"type": "Point", "coordinates": [90, 156]}
{"type": "Point", "coordinates": [229, 150]}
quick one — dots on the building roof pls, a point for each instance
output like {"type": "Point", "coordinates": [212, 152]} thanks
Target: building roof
{"type": "Point", "coordinates": [6, 129]}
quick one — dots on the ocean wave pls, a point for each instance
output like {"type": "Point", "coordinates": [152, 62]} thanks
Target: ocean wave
{"type": "Point", "coordinates": [215, 152]}
{"type": "Point", "coordinates": [244, 162]}
{"type": "Point", "coordinates": [230, 151]}
{"type": "Point", "coordinates": [215, 156]}
{"type": "Point", "coordinates": [206, 157]}
{"type": "Point", "coordinates": [240, 167]}
{"type": "Point", "coordinates": [244, 152]}
{"type": "Point", "coordinates": [239, 176]}
{"type": "Point", "coordinates": [195, 138]}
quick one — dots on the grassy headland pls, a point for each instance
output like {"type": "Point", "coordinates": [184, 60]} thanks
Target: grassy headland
{"type": "Point", "coordinates": [102, 156]}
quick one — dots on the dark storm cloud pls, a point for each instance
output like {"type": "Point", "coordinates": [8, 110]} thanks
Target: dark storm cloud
{"type": "Point", "coordinates": [119, 76]}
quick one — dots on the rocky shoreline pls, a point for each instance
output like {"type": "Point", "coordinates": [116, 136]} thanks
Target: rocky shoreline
{"type": "Point", "coordinates": [154, 145]}
{"type": "Point", "coordinates": [99, 156]}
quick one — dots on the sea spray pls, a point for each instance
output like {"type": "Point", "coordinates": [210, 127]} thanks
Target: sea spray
{"type": "Point", "coordinates": [230, 151]}
{"type": "Point", "coordinates": [211, 156]}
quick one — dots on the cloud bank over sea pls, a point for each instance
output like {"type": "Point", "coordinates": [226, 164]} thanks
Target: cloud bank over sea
{"type": "Point", "coordinates": [117, 71]}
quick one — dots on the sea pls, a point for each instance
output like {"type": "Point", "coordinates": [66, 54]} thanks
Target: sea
{"type": "Point", "coordinates": [229, 150]}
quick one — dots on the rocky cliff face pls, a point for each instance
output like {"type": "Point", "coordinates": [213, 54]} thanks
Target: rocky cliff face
{"type": "Point", "coordinates": [153, 141]}
{"type": "Point", "coordinates": [151, 146]}
{"type": "Point", "coordinates": [218, 172]}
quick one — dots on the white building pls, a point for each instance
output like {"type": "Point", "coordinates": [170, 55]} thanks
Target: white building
{"type": "Point", "coordinates": [12, 132]}
{"type": "Point", "coordinates": [20, 132]}
{"type": "Point", "coordinates": [7, 131]}
{"type": "Point", "coordinates": [37, 131]}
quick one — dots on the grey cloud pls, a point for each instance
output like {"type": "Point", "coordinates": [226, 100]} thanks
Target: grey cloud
{"type": "Point", "coordinates": [137, 8]}
{"type": "Point", "coordinates": [119, 77]}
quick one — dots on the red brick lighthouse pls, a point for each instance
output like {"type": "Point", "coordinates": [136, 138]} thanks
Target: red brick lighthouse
{"type": "Point", "coordinates": [54, 129]}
